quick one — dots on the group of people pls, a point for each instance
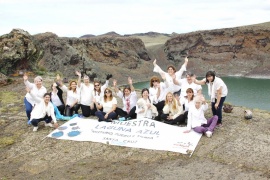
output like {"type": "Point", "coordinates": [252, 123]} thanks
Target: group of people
{"type": "Point", "coordinates": [170, 99]}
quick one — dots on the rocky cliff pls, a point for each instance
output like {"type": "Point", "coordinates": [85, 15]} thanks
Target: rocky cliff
{"type": "Point", "coordinates": [241, 51]}
{"type": "Point", "coordinates": [48, 52]}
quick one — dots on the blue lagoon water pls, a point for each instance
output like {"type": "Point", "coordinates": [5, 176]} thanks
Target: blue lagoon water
{"type": "Point", "coordinates": [248, 92]}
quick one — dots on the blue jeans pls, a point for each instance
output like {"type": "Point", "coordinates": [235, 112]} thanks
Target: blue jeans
{"type": "Point", "coordinates": [101, 114]}
{"type": "Point", "coordinates": [28, 108]}
{"type": "Point", "coordinates": [218, 111]}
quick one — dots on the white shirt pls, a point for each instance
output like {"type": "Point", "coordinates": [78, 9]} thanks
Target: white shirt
{"type": "Point", "coordinates": [132, 99]}
{"type": "Point", "coordinates": [185, 85]}
{"type": "Point", "coordinates": [99, 97]}
{"type": "Point", "coordinates": [142, 104]}
{"type": "Point", "coordinates": [168, 109]}
{"type": "Point", "coordinates": [107, 106]}
{"type": "Point", "coordinates": [37, 93]}
{"type": "Point", "coordinates": [169, 80]}
{"type": "Point", "coordinates": [86, 96]}
{"type": "Point", "coordinates": [213, 87]}
{"type": "Point", "coordinates": [40, 111]}
{"type": "Point", "coordinates": [153, 93]}
{"type": "Point", "coordinates": [72, 97]}
{"type": "Point", "coordinates": [184, 101]}
{"type": "Point", "coordinates": [196, 116]}
{"type": "Point", "coordinates": [55, 99]}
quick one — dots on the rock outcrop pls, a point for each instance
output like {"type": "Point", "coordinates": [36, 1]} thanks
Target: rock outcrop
{"type": "Point", "coordinates": [243, 51]}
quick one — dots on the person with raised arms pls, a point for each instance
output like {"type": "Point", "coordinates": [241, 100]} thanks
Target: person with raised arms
{"type": "Point", "coordinates": [98, 93]}
{"type": "Point", "coordinates": [129, 98]}
{"type": "Point", "coordinates": [170, 75]}
{"type": "Point", "coordinates": [86, 94]}
{"type": "Point", "coordinates": [37, 91]}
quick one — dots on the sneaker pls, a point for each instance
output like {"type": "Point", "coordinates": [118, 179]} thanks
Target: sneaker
{"type": "Point", "coordinates": [35, 129]}
{"type": "Point", "coordinates": [48, 125]}
{"type": "Point", "coordinates": [29, 122]}
{"type": "Point", "coordinates": [208, 134]}
{"type": "Point", "coordinates": [122, 119]}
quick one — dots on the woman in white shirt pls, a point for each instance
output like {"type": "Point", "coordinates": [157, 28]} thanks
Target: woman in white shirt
{"type": "Point", "coordinates": [108, 104]}
{"type": "Point", "coordinates": [129, 98]}
{"type": "Point", "coordinates": [217, 90]}
{"type": "Point", "coordinates": [196, 119]}
{"type": "Point", "coordinates": [170, 75]}
{"type": "Point", "coordinates": [144, 107]}
{"type": "Point", "coordinates": [172, 110]}
{"type": "Point", "coordinates": [86, 94]}
{"type": "Point", "coordinates": [157, 94]}
{"type": "Point", "coordinates": [73, 96]}
{"type": "Point", "coordinates": [37, 90]}
{"type": "Point", "coordinates": [98, 93]}
{"type": "Point", "coordinates": [43, 111]}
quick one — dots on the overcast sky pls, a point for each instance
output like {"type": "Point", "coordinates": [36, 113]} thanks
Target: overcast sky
{"type": "Point", "coordinates": [74, 18]}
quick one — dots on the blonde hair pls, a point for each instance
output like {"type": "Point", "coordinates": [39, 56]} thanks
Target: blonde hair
{"type": "Point", "coordinates": [174, 103]}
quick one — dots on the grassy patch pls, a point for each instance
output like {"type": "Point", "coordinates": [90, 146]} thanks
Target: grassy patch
{"type": "Point", "coordinates": [5, 141]}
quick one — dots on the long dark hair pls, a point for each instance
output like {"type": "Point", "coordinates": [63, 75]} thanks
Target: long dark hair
{"type": "Point", "coordinates": [210, 73]}
{"type": "Point", "coordinates": [145, 89]}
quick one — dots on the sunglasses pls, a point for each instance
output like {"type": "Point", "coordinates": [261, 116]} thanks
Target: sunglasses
{"type": "Point", "coordinates": [96, 85]}
{"type": "Point", "coordinates": [108, 92]}
{"type": "Point", "coordinates": [155, 81]}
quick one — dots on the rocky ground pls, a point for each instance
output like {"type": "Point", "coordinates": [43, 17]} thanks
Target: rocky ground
{"type": "Point", "coordinates": [238, 150]}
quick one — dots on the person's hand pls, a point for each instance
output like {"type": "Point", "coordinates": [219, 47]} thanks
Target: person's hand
{"type": "Point", "coordinates": [106, 116]}
{"type": "Point", "coordinates": [114, 82]}
{"type": "Point", "coordinates": [25, 77]}
{"type": "Point", "coordinates": [55, 125]}
{"type": "Point", "coordinates": [129, 81]}
{"type": "Point", "coordinates": [155, 62]}
{"type": "Point", "coordinates": [216, 105]}
{"type": "Point", "coordinates": [148, 105]}
{"type": "Point", "coordinates": [186, 59]}
{"type": "Point", "coordinates": [108, 76]}
{"type": "Point", "coordinates": [27, 89]}
{"type": "Point", "coordinates": [169, 118]}
{"type": "Point", "coordinates": [78, 73]}
{"type": "Point", "coordinates": [58, 77]}
{"type": "Point", "coordinates": [163, 76]}
{"type": "Point", "coordinates": [186, 131]}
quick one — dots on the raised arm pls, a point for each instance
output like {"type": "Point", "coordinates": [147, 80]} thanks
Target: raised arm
{"type": "Point", "coordinates": [26, 82]}
{"type": "Point", "coordinates": [116, 89]}
{"type": "Point", "coordinates": [158, 69]}
{"type": "Point", "coordinates": [131, 84]}
{"type": "Point", "coordinates": [79, 74]}
{"type": "Point", "coordinates": [182, 69]}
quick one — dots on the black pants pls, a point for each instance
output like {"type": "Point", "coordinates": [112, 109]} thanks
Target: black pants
{"type": "Point", "coordinates": [160, 105]}
{"type": "Point", "coordinates": [61, 109]}
{"type": "Point", "coordinates": [69, 111]}
{"type": "Point", "coordinates": [47, 119]}
{"type": "Point", "coordinates": [86, 110]}
{"type": "Point", "coordinates": [120, 112]}
{"type": "Point", "coordinates": [181, 119]}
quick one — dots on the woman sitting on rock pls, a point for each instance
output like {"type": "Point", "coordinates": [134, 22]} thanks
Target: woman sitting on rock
{"type": "Point", "coordinates": [196, 119]}
{"type": "Point", "coordinates": [129, 98]}
{"type": "Point", "coordinates": [172, 110]}
{"type": "Point", "coordinates": [43, 111]}
{"type": "Point", "coordinates": [108, 105]}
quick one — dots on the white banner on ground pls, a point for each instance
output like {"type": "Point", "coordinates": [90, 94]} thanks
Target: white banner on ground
{"type": "Point", "coordinates": [138, 133]}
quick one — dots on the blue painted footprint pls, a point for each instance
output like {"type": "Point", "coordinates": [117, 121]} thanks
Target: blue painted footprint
{"type": "Point", "coordinates": [57, 134]}
{"type": "Point", "coordinates": [74, 133]}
